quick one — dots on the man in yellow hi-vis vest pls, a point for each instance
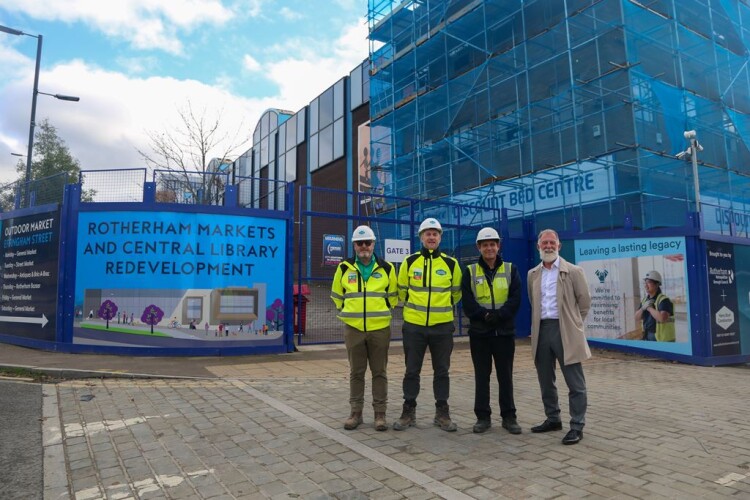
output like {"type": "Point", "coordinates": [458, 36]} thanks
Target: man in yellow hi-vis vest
{"type": "Point", "coordinates": [364, 291]}
{"type": "Point", "coordinates": [491, 296]}
{"type": "Point", "coordinates": [429, 285]}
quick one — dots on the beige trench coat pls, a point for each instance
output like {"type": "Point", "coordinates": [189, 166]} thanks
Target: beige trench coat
{"type": "Point", "coordinates": [573, 303]}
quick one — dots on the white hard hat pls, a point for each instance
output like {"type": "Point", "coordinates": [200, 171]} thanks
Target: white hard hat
{"type": "Point", "coordinates": [363, 233]}
{"type": "Point", "coordinates": [430, 223]}
{"type": "Point", "coordinates": [487, 233]}
{"type": "Point", "coordinates": [653, 276]}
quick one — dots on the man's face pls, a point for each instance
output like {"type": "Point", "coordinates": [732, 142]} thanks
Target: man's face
{"type": "Point", "coordinates": [548, 246]}
{"type": "Point", "coordinates": [489, 249]}
{"type": "Point", "coordinates": [364, 249]}
{"type": "Point", "coordinates": [430, 238]}
{"type": "Point", "coordinates": [651, 287]}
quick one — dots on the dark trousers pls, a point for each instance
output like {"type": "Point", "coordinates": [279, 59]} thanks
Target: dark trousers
{"type": "Point", "coordinates": [485, 350]}
{"type": "Point", "coordinates": [549, 350]}
{"type": "Point", "coordinates": [417, 339]}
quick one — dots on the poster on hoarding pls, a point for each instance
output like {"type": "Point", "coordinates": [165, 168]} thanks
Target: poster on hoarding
{"type": "Point", "coordinates": [723, 303]}
{"type": "Point", "coordinates": [29, 262]}
{"type": "Point", "coordinates": [163, 279]}
{"type": "Point", "coordinates": [615, 270]}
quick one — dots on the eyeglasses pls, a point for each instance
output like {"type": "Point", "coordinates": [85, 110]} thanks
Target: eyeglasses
{"type": "Point", "coordinates": [363, 243]}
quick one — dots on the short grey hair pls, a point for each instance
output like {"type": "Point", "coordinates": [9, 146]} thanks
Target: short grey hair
{"type": "Point", "coordinates": [539, 237]}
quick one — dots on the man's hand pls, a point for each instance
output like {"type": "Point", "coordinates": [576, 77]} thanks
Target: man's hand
{"type": "Point", "coordinates": [648, 303]}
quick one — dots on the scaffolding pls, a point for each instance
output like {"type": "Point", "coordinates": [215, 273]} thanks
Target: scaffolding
{"type": "Point", "coordinates": [517, 101]}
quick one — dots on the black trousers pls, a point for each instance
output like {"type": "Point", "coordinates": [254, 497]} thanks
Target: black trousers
{"type": "Point", "coordinates": [485, 350]}
{"type": "Point", "coordinates": [439, 340]}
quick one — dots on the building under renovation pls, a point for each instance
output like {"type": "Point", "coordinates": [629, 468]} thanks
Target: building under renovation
{"type": "Point", "coordinates": [566, 110]}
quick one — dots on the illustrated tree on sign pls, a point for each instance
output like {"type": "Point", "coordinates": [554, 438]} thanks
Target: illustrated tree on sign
{"type": "Point", "coordinates": [152, 315]}
{"type": "Point", "coordinates": [275, 315]}
{"type": "Point", "coordinates": [107, 311]}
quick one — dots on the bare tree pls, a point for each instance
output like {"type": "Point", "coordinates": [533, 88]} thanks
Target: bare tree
{"type": "Point", "coordinates": [191, 156]}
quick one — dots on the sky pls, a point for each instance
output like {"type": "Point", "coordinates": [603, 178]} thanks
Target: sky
{"type": "Point", "coordinates": [136, 63]}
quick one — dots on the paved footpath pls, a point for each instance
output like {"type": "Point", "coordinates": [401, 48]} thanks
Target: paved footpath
{"type": "Point", "coordinates": [271, 427]}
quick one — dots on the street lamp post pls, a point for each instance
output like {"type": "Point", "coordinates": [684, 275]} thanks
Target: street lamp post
{"type": "Point", "coordinates": [32, 124]}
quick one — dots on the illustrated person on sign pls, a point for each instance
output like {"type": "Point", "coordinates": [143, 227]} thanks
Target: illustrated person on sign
{"type": "Point", "coordinates": [560, 301]}
{"type": "Point", "coordinates": [364, 291]}
{"type": "Point", "coordinates": [429, 285]}
{"type": "Point", "coordinates": [491, 296]}
{"type": "Point", "coordinates": [656, 311]}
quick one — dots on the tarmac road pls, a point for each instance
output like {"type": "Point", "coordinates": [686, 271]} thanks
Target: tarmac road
{"type": "Point", "coordinates": [21, 456]}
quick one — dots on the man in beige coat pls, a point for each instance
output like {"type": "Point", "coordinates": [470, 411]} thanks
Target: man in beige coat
{"type": "Point", "coordinates": [560, 300]}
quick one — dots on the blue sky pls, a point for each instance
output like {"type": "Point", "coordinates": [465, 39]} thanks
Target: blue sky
{"type": "Point", "coordinates": [135, 63]}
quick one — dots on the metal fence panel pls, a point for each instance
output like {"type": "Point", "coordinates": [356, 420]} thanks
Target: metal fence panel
{"type": "Point", "coordinates": [111, 186]}
{"type": "Point", "coordinates": [323, 220]}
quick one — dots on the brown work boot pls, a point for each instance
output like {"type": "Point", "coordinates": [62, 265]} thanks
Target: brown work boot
{"type": "Point", "coordinates": [380, 423]}
{"type": "Point", "coordinates": [443, 418]}
{"type": "Point", "coordinates": [407, 419]}
{"type": "Point", "coordinates": [353, 421]}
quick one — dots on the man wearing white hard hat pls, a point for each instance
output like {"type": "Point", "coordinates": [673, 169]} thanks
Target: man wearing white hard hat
{"type": "Point", "coordinates": [491, 296]}
{"type": "Point", "coordinates": [429, 285]}
{"type": "Point", "coordinates": [656, 311]}
{"type": "Point", "coordinates": [365, 291]}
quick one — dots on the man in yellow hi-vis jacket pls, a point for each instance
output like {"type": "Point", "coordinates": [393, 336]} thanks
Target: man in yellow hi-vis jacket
{"type": "Point", "coordinates": [429, 284]}
{"type": "Point", "coordinates": [364, 291]}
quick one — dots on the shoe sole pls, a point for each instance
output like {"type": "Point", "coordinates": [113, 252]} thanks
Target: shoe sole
{"type": "Point", "coordinates": [399, 427]}
{"type": "Point", "coordinates": [551, 429]}
{"type": "Point", "coordinates": [513, 432]}
{"type": "Point", "coordinates": [453, 428]}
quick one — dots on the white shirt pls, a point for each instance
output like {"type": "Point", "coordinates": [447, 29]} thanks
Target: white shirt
{"type": "Point", "coordinates": [549, 290]}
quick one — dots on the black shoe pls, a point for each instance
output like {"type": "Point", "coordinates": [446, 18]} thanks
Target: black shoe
{"type": "Point", "coordinates": [573, 436]}
{"type": "Point", "coordinates": [481, 426]}
{"type": "Point", "coordinates": [547, 426]}
{"type": "Point", "coordinates": [511, 425]}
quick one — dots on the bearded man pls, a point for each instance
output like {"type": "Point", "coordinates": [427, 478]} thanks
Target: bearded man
{"type": "Point", "coordinates": [560, 300]}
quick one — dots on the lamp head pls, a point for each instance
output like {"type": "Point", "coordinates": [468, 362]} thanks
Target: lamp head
{"type": "Point", "coordinates": [689, 134]}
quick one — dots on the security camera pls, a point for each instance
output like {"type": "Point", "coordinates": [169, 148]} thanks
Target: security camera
{"type": "Point", "coordinates": [683, 155]}
{"type": "Point", "coordinates": [689, 134]}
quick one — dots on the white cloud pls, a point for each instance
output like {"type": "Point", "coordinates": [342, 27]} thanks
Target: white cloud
{"type": "Point", "coordinates": [146, 24]}
{"type": "Point", "coordinates": [289, 14]}
{"type": "Point", "coordinates": [250, 63]}
{"type": "Point", "coordinates": [316, 67]}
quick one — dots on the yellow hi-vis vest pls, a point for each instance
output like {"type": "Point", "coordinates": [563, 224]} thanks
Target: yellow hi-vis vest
{"type": "Point", "coordinates": [429, 287]}
{"type": "Point", "coordinates": [490, 297]}
{"type": "Point", "coordinates": [665, 332]}
{"type": "Point", "coordinates": [365, 305]}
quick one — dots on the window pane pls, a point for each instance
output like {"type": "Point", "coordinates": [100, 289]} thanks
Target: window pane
{"type": "Point", "coordinates": [338, 100]}
{"type": "Point", "coordinates": [313, 153]}
{"type": "Point", "coordinates": [326, 109]}
{"type": "Point", "coordinates": [291, 165]}
{"type": "Point", "coordinates": [301, 126]}
{"type": "Point", "coordinates": [338, 139]}
{"type": "Point", "coordinates": [356, 84]}
{"type": "Point", "coordinates": [326, 145]}
{"type": "Point", "coordinates": [282, 137]}
{"type": "Point", "coordinates": [291, 133]}
{"type": "Point", "coordinates": [314, 116]}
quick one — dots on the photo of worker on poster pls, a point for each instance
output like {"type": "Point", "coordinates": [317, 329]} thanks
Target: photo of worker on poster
{"type": "Point", "coordinates": [631, 280]}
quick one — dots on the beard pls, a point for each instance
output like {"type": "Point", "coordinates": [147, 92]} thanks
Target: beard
{"type": "Point", "coordinates": [549, 256]}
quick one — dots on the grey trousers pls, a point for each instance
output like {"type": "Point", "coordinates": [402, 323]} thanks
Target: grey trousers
{"type": "Point", "coordinates": [365, 348]}
{"type": "Point", "coordinates": [548, 351]}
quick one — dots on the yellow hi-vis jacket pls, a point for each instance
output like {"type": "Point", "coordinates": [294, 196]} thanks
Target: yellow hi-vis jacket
{"type": "Point", "coordinates": [429, 284]}
{"type": "Point", "coordinates": [365, 305]}
{"type": "Point", "coordinates": [490, 296]}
